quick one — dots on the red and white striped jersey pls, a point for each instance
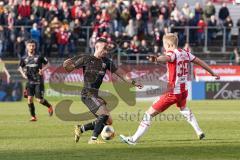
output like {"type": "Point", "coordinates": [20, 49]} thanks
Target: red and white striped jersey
{"type": "Point", "coordinates": [178, 69]}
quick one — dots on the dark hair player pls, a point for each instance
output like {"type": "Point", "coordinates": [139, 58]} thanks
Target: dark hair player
{"type": "Point", "coordinates": [34, 65]}
{"type": "Point", "coordinates": [94, 69]}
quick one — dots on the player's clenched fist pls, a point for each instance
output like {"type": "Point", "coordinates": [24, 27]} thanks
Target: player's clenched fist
{"type": "Point", "coordinates": [152, 58]}
{"type": "Point", "coordinates": [68, 65]}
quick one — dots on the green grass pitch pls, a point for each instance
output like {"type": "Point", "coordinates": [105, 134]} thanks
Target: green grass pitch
{"type": "Point", "coordinates": [51, 138]}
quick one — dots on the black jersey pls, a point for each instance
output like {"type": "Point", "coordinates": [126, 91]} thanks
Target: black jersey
{"type": "Point", "coordinates": [32, 64]}
{"type": "Point", "coordinates": [94, 70]}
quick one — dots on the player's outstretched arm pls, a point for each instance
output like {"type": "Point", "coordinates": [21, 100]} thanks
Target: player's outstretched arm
{"type": "Point", "coordinates": [120, 73]}
{"type": "Point", "coordinates": [74, 63]}
{"type": "Point", "coordinates": [68, 65]}
{"type": "Point", "coordinates": [155, 59]}
{"type": "Point", "coordinates": [205, 66]}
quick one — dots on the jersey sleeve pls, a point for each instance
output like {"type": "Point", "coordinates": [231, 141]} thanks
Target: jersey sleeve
{"type": "Point", "coordinates": [44, 60]}
{"type": "Point", "coordinates": [79, 61]}
{"type": "Point", "coordinates": [191, 56]}
{"type": "Point", "coordinates": [171, 55]}
{"type": "Point", "coordinates": [111, 66]}
{"type": "Point", "coordinates": [22, 63]}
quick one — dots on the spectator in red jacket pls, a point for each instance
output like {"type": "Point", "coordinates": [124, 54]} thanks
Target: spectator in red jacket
{"type": "Point", "coordinates": [24, 9]}
{"type": "Point", "coordinates": [77, 4]}
{"type": "Point", "coordinates": [201, 24]}
{"type": "Point", "coordinates": [62, 40]}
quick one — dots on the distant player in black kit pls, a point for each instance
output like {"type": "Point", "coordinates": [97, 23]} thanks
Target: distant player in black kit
{"type": "Point", "coordinates": [94, 69]}
{"type": "Point", "coordinates": [33, 64]}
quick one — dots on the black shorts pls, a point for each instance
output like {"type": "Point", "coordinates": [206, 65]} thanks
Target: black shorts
{"type": "Point", "coordinates": [93, 103]}
{"type": "Point", "coordinates": [36, 90]}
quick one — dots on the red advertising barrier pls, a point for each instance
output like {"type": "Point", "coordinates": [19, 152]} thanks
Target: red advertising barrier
{"type": "Point", "coordinates": [60, 75]}
{"type": "Point", "coordinates": [227, 73]}
{"type": "Point", "coordinates": [147, 73]}
{"type": "Point", "coordinates": [223, 1]}
{"type": "Point", "coordinates": [152, 76]}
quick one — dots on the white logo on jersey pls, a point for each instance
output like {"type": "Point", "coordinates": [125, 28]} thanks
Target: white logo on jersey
{"type": "Point", "coordinates": [35, 59]}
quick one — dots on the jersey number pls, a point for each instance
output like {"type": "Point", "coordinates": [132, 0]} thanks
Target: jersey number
{"type": "Point", "coordinates": [182, 68]}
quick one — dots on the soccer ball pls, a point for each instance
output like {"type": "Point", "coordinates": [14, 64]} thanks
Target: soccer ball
{"type": "Point", "coordinates": [108, 133]}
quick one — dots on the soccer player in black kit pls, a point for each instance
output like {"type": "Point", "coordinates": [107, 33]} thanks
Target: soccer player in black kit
{"type": "Point", "coordinates": [33, 66]}
{"type": "Point", "coordinates": [94, 70]}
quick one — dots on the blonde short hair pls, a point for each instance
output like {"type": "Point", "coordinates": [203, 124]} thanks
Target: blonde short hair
{"type": "Point", "coordinates": [171, 39]}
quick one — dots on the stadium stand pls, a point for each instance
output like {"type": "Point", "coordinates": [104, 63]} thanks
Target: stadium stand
{"type": "Point", "coordinates": [66, 28]}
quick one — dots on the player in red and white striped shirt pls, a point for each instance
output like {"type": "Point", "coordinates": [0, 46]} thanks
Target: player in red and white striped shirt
{"type": "Point", "coordinates": [178, 61]}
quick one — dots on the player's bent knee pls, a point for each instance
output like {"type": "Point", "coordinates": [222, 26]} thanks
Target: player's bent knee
{"type": "Point", "coordinates": [109, 121]}
{"type": "Point", "coordinates": [39, 100]}
{"type": "Point", "coordinates": [103, 118]}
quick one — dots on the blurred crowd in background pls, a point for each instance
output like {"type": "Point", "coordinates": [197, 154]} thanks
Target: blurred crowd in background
{"type": "Point", "coordinates": [136, 26]}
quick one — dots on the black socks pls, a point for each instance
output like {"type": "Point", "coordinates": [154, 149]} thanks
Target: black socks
{"type": "Point", "coordinates": [99, 124]}
{"type": "Point", "coordinates": [32, 109]}
{"type": "Point", "coordinates": [88, 126]}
